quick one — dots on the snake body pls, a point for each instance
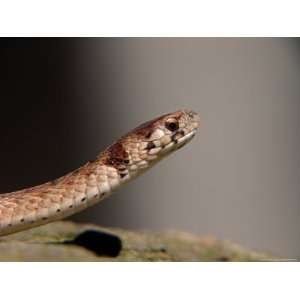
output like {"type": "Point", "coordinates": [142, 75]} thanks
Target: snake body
{"type": "Point", "coordinates": [127, 158]}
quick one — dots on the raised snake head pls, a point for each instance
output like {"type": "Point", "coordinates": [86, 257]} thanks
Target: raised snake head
{"type": "Point", "coordinates": [151, 141]}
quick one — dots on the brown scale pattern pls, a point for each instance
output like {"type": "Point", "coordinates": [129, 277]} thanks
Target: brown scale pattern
{"type": "Point", "coordinates": [94, 181]}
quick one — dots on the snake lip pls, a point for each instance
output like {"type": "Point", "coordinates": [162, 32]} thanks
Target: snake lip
{"type": "Point", "coordinates": [188, 136]}
{"type": "Point", "coordinates": [185, 139]}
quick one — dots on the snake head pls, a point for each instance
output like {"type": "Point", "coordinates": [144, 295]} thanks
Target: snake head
{"type": "Point", "coordinates": [152, 141]}
{"type": "Point", "coordinates": [169, 131]}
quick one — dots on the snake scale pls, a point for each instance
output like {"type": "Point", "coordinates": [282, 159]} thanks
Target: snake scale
{"type": "Point", "coordinates": [124, 160]}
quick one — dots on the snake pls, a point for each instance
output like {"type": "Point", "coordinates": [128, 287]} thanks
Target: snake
{"type": "Point", "coordinates": [128, 157]}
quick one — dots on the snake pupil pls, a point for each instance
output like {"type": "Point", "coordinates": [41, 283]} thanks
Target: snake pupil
{"type": "Point", "coordinates": [172, 125]}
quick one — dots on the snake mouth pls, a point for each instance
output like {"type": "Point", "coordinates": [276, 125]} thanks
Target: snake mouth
{"type": "Point", "coordinates": [185, 139]}
{"type": "Point", "coordinates": [179, 142]}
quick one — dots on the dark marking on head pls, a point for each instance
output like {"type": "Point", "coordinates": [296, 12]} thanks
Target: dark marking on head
{"type": "Point", "coordinates": [177, 136]}
{"type": "Point", "coordinates": [180, 133]}
{"type": "Point", "coordinates": [122, 168]}
{"type": "Point", "coordinates": [116, 155]}
{"type": "Point", "coordinates": [44, 218]}
{"type": "Point", "coordinates": [148, 135]}
{"type": "Point", "coordinates": [83, 199]}
{"type": "Point", "coordinates": [70, 206]}
{"type": "Point", "coordinates": [122, 175]}
{"type": "Point", "coordinates": [22, 220]}
{"type": "Point", "coordinates": [150, 145]}
{"type": "Point", "coordinates": [103, 194]}
{"type": "Point", "coordinates": [58, 210]}
{"type": "Point", "coordinates": [173, 138]}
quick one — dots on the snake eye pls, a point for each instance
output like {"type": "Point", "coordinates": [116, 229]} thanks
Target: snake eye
{"type": "Point", "coordinates": [172, 124]}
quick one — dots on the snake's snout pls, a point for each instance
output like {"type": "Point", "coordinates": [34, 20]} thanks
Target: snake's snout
{"type": "Point", "coordinates": [194, 118]}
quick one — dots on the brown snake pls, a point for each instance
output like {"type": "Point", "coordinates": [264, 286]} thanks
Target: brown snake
{"type": "Point", "coordinates": [127, 158]}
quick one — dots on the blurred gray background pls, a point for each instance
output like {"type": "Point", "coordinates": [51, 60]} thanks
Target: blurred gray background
{"type": "Point", "coordinates": [239, 179]}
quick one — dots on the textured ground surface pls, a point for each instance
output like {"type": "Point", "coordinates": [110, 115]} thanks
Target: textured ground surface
{"type": "Point", "coordinates": [67, 241]}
